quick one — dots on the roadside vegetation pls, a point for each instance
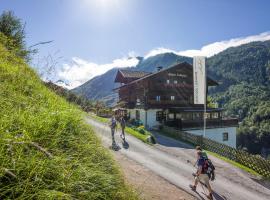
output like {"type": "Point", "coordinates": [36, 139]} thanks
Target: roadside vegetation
{"type": "Point", "coordinates": [83, 103]}
{"type": "Point", "coordinates": [46, 149]}
{"type": "Point", "coordinates": [236, 164]}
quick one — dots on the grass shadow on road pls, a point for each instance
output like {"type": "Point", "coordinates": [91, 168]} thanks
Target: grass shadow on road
{"type": "Point", "coordinates": [218, 197]}
{"type": "Point", "coordinates": [263, 182]}
{"type": "Point", "coordinates": [164, 140]}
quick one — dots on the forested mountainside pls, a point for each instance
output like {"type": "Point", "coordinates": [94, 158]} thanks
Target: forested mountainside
{"type": "Point", "coordinates": [244, 91]}
{"type": "Point", "coordinates": [243, 74]}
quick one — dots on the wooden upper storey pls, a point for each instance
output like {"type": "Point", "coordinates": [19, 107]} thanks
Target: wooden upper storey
{"type": "Point", "coordinates": [168, 87]}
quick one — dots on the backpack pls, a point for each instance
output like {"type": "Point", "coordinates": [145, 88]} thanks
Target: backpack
{"type": "Point", "coordinates": [209, 169]}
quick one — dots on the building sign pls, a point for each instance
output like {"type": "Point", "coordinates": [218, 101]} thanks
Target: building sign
{"type": "Point", "coordinates": [199, 79]}
{"type": "Point", "coordinates": [178, 74]}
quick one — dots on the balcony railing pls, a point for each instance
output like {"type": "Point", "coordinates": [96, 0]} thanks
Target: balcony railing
{"type": "Point", "coordinates": [195, 124]}
{"type": "Point", "coordinates": [173, 85]}
{"type": "Point", "coordinates": [166, 102]}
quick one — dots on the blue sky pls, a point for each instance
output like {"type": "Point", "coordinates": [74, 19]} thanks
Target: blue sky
{"type": "Point", "coordinates": [100, 32]}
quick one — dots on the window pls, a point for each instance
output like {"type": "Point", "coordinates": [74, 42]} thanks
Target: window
{"type": "Point", "coordinates": [157, 98]}
{"type": "Point", "coordinates": [225, 136]}
{"type": "Point", "coordinates": [191, 99]}
{"type": "Point", "coordinates": [178, 116]}
{"type": "Point", "coordinates": [171, 116]}
{"type": "Point", "coordinates": [197, 115]}
{"type": "Point", "coordinates": [137, 114]}
{"type": "Point", "coordinates": [215, 115]}
{"type": "Point", "coordinates": [159, 116]}
{"type": "Point", "coordinates": [168, 81]}
{"type": "Point", "coordinates": [172, 98]}
{"type": "Point", "coordinates": [138, 102]}
{"type": "Point", "coordinates": [175, 82]}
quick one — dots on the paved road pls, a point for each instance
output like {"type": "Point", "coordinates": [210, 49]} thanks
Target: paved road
{"type": "Point", "coordinates": [168, 159]}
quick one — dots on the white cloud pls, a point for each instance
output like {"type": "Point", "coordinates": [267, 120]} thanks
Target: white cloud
{"type": "Point", "coordinates": [79, 71]}
{"type": "Point", "coordinates": [159, 50]}
{"type": "Point", "coordinates": [214, 48]}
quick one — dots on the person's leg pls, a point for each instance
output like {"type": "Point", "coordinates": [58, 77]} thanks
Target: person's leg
{"type": "Point", "coordinates": [207, 183]}
{"type": "Point", "coordinates": [123, 132]}
{"type": "Point", "coordinates": [121, 135]}
{"type": "Point", "coordinates": [112, 130]}
{"type": "Point", "coordinates": [193, 187]}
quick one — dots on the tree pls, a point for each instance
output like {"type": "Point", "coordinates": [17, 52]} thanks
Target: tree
{"type": "Point", "coordinates": [13, 28]}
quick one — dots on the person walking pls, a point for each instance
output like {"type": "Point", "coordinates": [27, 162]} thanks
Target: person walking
{"type": "Point", "coordinates": [201, 175]}
{"type": "Point", "coordinates": [211, 169]}
{"type": "Point", "coordinates": [113, 127]}
{"type": "Point", "coordinates": [204, 154]}
{"type": "Point", "coordinates": [123, 126]}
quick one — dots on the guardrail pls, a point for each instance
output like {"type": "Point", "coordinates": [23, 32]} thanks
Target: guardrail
{"type": "Point", "coordinates": [255, 162]}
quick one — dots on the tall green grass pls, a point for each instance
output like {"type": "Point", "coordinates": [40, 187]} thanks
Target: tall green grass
{"type": "Point", "coordinates": [46, 150]}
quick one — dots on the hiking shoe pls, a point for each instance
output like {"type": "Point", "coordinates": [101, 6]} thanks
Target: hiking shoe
{"type": "Point", "coordinates": [210, 196]}
{"type": "Point", "coordinates": [193, 187]}
{"type": "Point", "coordinates": [122, 136]}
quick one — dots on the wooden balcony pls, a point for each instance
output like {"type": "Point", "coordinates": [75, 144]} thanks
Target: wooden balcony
{"type": "Point", "coordinates": [167, 102]}
{"type": "Point", "coordinates": [198, 124]}
{"type": "Point", "coordinates": [172, 85]}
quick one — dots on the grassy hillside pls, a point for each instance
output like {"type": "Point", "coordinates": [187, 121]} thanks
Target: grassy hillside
{"type": "Point", "coordinates": [46, 150]}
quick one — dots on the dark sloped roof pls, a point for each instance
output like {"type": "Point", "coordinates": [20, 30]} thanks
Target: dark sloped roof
{"type": "Point", "coordinates": [133, 74]}
{"type": "Point", "coordinates": [210, 81]}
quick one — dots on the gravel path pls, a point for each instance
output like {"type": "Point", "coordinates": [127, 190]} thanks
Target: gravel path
{"type": "Point", "coordinates": [168, 159]}
{"type": "Point", "coordinates": [148, 184]}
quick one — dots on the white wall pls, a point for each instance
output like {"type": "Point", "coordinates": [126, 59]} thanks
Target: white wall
{"type": "Point", "coordinates": [132, 113]}
{"type": "Point", "coordinates": [217, 135]}
{"type": "Point", "coordinates": [151, 116]}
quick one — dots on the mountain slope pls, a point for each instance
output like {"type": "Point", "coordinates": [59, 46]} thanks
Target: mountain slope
{"type": "Point", "coordinates": [101, 87]}
{"type": "Point", "coordinates": [244, 74]}
{"type": "Point", "coordinates": [46, 149]}
{"type": "Point", "coordinates": [165, 60]}
{"type": "Point", "coordinates": [246, 63]}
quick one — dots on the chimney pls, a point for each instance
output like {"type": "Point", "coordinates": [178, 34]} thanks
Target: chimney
{"type": "Point", "coordinates": [159, 68]}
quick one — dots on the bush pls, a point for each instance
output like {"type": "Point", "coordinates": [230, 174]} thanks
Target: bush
{"type": "Point", "coordinates": [142, 131]}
